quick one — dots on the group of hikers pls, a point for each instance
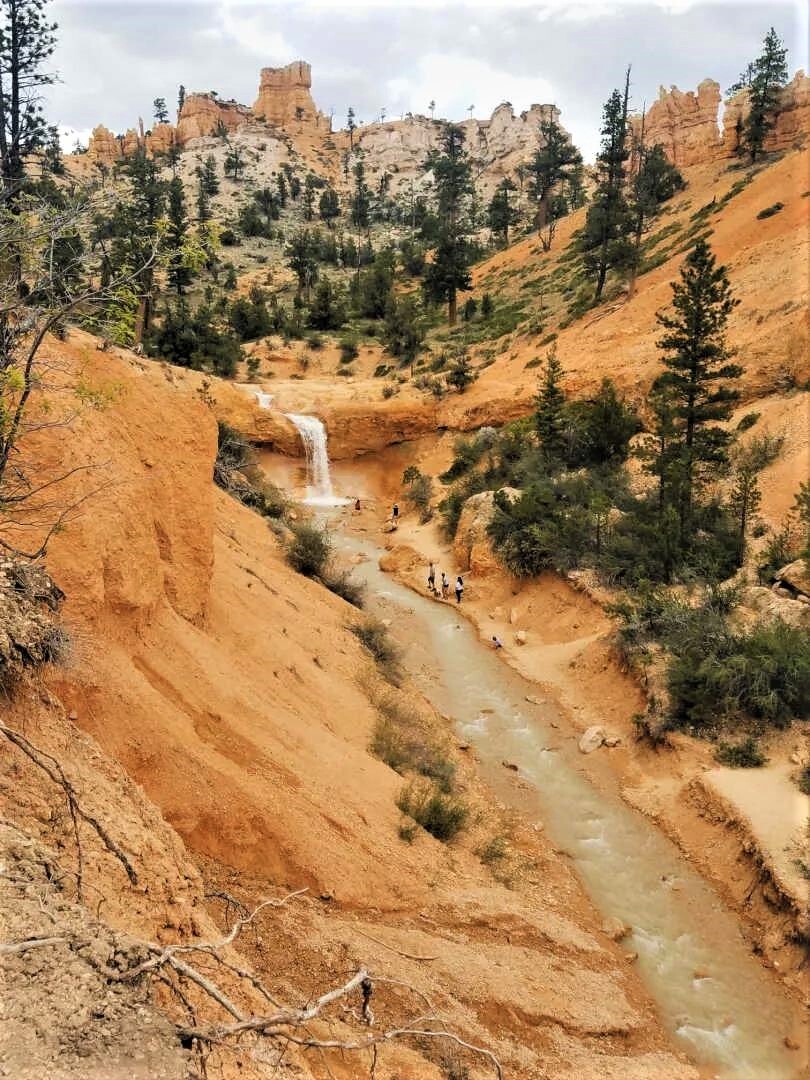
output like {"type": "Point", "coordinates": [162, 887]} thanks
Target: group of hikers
{"type": "Point", "coordinates": [443, 591]}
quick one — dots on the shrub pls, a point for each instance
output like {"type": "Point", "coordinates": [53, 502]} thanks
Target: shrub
{"type": "Point", "coordinates": [342, 584]}
{"type": "Point", "coordinates": [769, 211]}
{"type": "Point", "coordinates": [747, 422]}
{"type": "Point", "coordinates": [804, 780]}
{"type": "Point", "coordinates": [228, 238]}
{"type": "Point", "coordinates": [493, 850]}
{"type": "Point", "coordinates": [398, 742]}
{"type": "Point", "coordinates": [349, 350]}
{"type": "Point", "coordinates": [440, 814]}
{"type": "Point", "coordinates": [374, 635]}
{"type": "Point", "coordinates": [741, 755]}
{"type": "Point", "coordinates": [418, 492]}
{"type": "Point", "coordinates": [719, 675]}
{"type": "Point", "coordinates": [309, 549]}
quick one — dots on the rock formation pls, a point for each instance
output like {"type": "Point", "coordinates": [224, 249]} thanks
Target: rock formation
{"type": "Point", "coordinates": [205, 114]}
{"type": "Point", "coordinates": [285, 98]}
{"type": "Point", "coordinates": [687, 124]}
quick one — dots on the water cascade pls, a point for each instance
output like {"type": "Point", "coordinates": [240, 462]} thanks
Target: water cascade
{"type": "Point", "coordinates": [319, 482]}
{"type": "Point", "coordinates": [263, 399]}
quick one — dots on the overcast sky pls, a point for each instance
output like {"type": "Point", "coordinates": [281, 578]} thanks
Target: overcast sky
{"type": "Point", "coordinates": [115, 56]}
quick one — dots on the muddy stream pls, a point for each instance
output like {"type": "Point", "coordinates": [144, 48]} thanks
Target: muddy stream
{"type": "Point", "coordinates": [710, 991]}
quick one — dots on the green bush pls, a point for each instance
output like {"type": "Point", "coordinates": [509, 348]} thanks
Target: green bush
{"type": "Point", "coordinates": [374, 635]}
{"type": "Point", "coordinates": [398, 742]}
{"type": "Point", "coordinates": [769, 211]}
{"type": "Point", "coordinates": [718, 675]}
{"type": "Point", "coordinates": [804, 780]}
{"type": "Point", "coordinates": [309, 549]}
{"type": "Point", "coordinates": [741, 755]}
{"type": "Point", "coordinates": [747, 422]}
{"type": "Point", "coordinates": [418, 490]}
{"type": "Point", "coordinates": [342, 584]}
{"type": "Point", "coordinates": [442, 815]}
{"type": "Point", "coordinates": [349, 350]}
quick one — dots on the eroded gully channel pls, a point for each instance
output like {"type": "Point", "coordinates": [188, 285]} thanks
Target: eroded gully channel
{"type": "Point", "coordinates": [710, 991]}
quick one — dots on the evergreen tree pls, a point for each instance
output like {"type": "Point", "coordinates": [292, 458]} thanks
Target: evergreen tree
{"type": "Point", "coordinates": [234, 161]}
{"type": "Point", "coordinates": [281, 184]}
{"type": "Point", "coordinates": [655, 181]}
{"type": "Point", "coordinates": [350, 125]}
{"type": "Point", "coordinates": [744, 499]}
{"type": "Point", "coordinates": [309, 196]}
{"type": "Point", "coordinates": [203, 201]}
{"type": "Point", "coordinates": [161, 113]}
{"type": "Point", "coordinates": [764, 80]}
{"type": "Point", "coordinates": [177, 272]}
{"type": "Point", "coordinates": [449, 271]}
{"type": "Point", "coordinates": [329, 206]}
{"type": "Point", "coordinates": [403, 333]}
{"type": "Point", "coordinates": [301, 252]}
{"type": "Point", "coordinates": [361, 199]}
{"type": "Point", "coordinates": [549, 416]}
{"type": "Point", "coordinates": [27, 41]}
{"type": "Point", "coordinates": [460, 373]}
{"type": "Point", "coordinates": [605, 237]}
{"type": "Point", "coordinates": [697, 372]}
{"type": "Point", "coordinates": [328, 311]}
{"type": "Point", "coordinates": [502, 211]}
{"type": "Point", "coordinates": [208, 175]}
{"type": "Point", "coordinates": [52, 161]}
{"type": "Point", "coordinates": [553, 165]}
{"type": "Point", "coordinates": [181, 99]}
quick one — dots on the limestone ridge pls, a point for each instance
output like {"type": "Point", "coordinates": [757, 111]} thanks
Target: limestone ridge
{"type": "Point", "coordinates": [688, 124]}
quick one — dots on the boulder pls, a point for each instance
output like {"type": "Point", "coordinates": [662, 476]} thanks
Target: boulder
{"type": "Point", "coordinates": [615, 929]}
{"type": "Point", "coordinates": [472, 549]}
{"type": "Point", "coordinates": [795, 577]}
{"type": "Point", "coordinates": [592, 739]}
{"type": "Point", "coordinates": [521, 637]}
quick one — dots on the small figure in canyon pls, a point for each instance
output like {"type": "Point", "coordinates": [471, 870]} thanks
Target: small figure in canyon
{"type": "Point", "coordinates": [357, 503]}
{"type": "Point", "coordinates": [459, 589]}
{"type": "Point", "coordinates": [395, 515]}
{"type": "Point", "coordinates": [432, 578]}
{"type": "Point", "coordinates": [496, 642]}
{"type": "Point", "coordinates": [445, 586]}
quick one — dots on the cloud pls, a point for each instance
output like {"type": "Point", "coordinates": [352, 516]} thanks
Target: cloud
{"type": "Point", "coordinates": [247, 29]}
{"type": "Point", "coordinates": [456, 82]}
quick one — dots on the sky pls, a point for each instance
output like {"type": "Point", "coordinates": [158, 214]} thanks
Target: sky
{"type": "Point", "coordinates": [114, 57]}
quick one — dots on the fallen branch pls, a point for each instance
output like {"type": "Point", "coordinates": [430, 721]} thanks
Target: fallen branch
{"type": "Point", "coordinates": [53, 769]}
{"type": "Point", "coordinates": [12, 947]}
{"type": "Point", "coordinates": [399, 952]}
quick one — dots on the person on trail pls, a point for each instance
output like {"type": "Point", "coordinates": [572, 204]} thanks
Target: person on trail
{"type": "Point", "coordinates": [395, 515]}
{"type": "Point", "coordinates": [496, 642]}
{"type": "Point", "coordinates": [432, 578]}
{"type": "Point", "coordinates": [445, 586]}
{"type": "Point", "coordinates": [459, 589]}
{"type": "Point", "coordinates": [357, 503]}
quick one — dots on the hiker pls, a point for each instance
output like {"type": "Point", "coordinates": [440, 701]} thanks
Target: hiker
{"type": "Point", "coordinates": [432, 578]}
{"type": "Point", "coordinates": [459, 589]}
{"type": "Point", "coordinates": [395, 515]}
{"type": "Point", "coordinates": [496, 642]}
{"type": "Point", "coordinates": [445, 586]}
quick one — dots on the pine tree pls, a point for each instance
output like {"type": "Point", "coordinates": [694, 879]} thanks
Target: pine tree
{"type": "Point", "coordinates": [351, 126]}
{"type": "Point", "coordinates": [281, 184]}
{"type": "Point", "coordinates": [449, 271]}
{"type": "Point", "coordinates": [208, 175]}
{"type": "Point", "coordinates": [608, 225]}
{"type": "Point", "coordinates": [502, 212]}
{"type": "Point", "coordinates": [361, 199]}
{"type": "Point", "coordinates": [301, 251]}
{"type": "Point", "coordinates": [234, 162]}
{"type": "Point", "coordinates": [177, 272]}
{"type": "Point", "coordinates": [203, 201]}
{"type": "Point", "coordinates": [655, 181]}
{"type": "Point", "coordinates": [549, 416]}
{"type": "Point", "coordinates": [329, 206]}
{"type": "Point", "coordinates": [27, 41]}
{"type": "Point", "coordinates": [161, 113]}
{"type": "Point", "coordinates": [553, 165]}
{"type": "Point", "coordinates": [697, 372]}
{"type": "Point", "coordinates": [181, 99]}
{"type": "Point", "coordinates": [309, 196]}
{"type": "Point", "coordinates": [764, 80]}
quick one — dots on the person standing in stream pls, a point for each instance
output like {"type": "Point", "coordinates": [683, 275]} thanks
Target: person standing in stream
{"type": "Point", "coordinates": [459, 589]}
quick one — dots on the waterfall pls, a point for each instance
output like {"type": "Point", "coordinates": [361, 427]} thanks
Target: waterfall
{"type": "Point", "coordinates": [319, 482]}
{"type": "Point", "coordinates": [263, 400]}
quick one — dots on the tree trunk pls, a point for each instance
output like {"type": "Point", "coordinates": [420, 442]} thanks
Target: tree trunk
{"type": "Point", "coordinates": [452, 308]}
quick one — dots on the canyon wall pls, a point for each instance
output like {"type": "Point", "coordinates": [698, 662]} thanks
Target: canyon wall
{"type": "Point", "coordinates": [687, 124]}
{"type": "Point", "coordinates": [285, 98]}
